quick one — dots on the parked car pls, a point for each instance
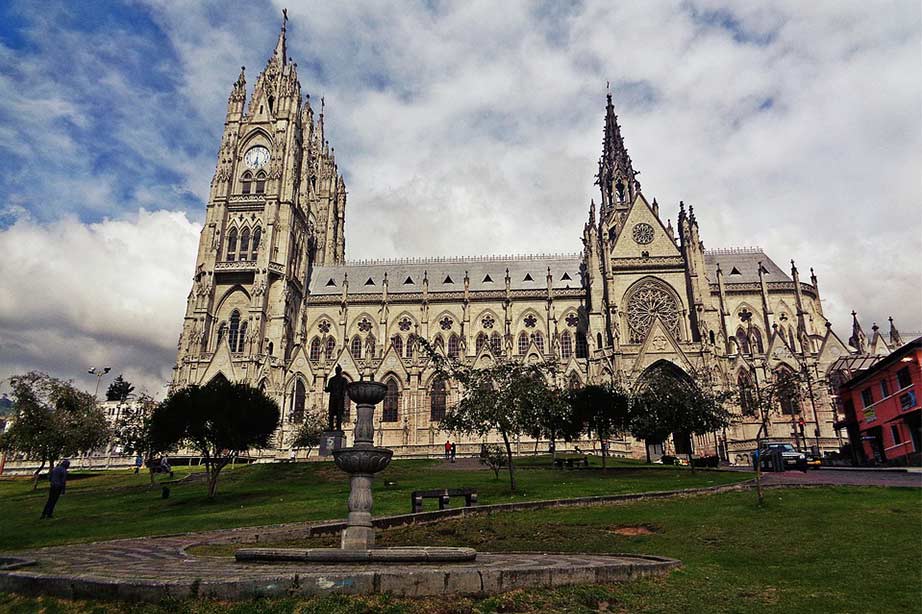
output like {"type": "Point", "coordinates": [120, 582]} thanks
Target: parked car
{"type": "Point", "coordinates": [790, 458]}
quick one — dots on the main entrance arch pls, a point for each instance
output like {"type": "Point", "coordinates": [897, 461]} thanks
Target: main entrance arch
{"type": "Point", "coordinates": [668, 380]}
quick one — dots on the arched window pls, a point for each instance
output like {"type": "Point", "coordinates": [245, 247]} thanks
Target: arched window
{"type": "Point", "coordinates": [254, 249]}
{"type": "Point", "coordinates": [757, 341]}
{"type": "Point", "coordinates": [523, 343]}
{"type": "Point", "coordinates": [482, 340]}
{"type": "Point", "coordinates": [747, 396]}
{"type": "Point", "coordinates": [260, 182]}
{"type": "Point", "coordinates": [356, 347]}
{"type": "Point", "coordinates": [271, 346]}
{"type": "Point", "coordinates": [437, 400]}
{"type": "Point", "coordinates": [370, 346]}
{"type": "Point", "coordinates": [245, 244]}
{"type": "Point", "coordinates": [397, 342]}
{"type": "Point", "coordinates": [232, 245]}
{"type": "Point", "coordinates": [582, 348]}
{"type": "Point", "coordinates": [566, 345]}
{"type": "Point", "coordinates": [246, 182]}
{"type": "Point", "coordinates": [539, 341]}
{"type": "Point", "coordinates": [315, 349]}
{"type": "Point", "coordinates": [391, 401]}
{"type": "Point", "coordinates": [439, 342]}
{"type": "Point", "coordinates": [496, 343]}
{"type": "Point", "coordinates": [454, 346]}
{"type": "Point", "coordinates": [331, 347]}
{"type": "Point", "coordinates": [598, 341]}
{"type": "Point", "coordinates": [787, 390]}
{"type": "Point", "coordinates": [234, 331]}
{"type": "Point", "coordinates": [242, 337]}
{"type": "Point", "coordinates": [298, 394]}
{"type": "Point", "coordinates": [711, 336]}
{"type": "Point", "coordinates": [411, 340]}
{"type": "Point", "coordinates": [742, 341]}
{"type": "Point", "coordinates": [574, 383]}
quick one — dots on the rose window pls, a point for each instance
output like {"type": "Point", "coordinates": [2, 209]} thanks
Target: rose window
{"type": "Point", "coordinates": [324, 326]}
{"type": "Point", "coordinates": [649, 302]}
{"type": "Point", "coordinates": [364, 325]}
{"type": "Point", "coordinates": [530, 321]}
{"type": "Point", "coordinates": [572, 320]}
{"type": "Point", "coordinates": [445, 323]}
{"type": "Point", "coordinates": [488, 322]}
{"type": "Point", "coordinates": [643, 233]}
{"type": "Point", "coordinates": [404, 324]}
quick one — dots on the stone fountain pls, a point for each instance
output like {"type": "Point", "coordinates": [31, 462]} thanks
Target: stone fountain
{"type": "Point", "coordinates": [361, 461]}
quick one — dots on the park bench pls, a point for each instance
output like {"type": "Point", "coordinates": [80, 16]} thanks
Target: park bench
{"type": "Point", "coordinates": [571, 462]}
{"type": "Point", "coordinates": [443, 495]}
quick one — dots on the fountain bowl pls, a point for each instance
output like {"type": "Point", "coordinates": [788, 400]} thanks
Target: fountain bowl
{"type": "Point", "coordinates": [362, 460]}
{"type": "Point", "coordinates": [366, 392]}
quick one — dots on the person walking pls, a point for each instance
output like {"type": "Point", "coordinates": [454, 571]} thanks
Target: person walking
{"type": "Point", "coordinates": [454, 452]}
{"type": "Point", "coordinates": [58, 477]}
{"type": "Point", "coordinates": [138, 461]}
{"type": "Point", "coordinates": [447, 449]}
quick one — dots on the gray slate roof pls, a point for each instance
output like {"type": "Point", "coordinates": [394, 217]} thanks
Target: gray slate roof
{"type": "Point", "coordinates": [447, 274]}
{"type": "Point", "coordinates": [741, 265]}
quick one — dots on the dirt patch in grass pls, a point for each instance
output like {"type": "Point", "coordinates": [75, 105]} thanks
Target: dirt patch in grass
{"type": "Point", "coordinates": [633, 530]}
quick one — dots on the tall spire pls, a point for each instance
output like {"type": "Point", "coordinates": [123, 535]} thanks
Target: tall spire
{"type": "Point", "coordinates": [895, 339]}
{"type": "Point", "coordinates": [616, 178]}
{"type": "Point", "coordinates": [280, 52]}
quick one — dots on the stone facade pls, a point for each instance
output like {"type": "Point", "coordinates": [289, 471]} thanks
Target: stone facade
{"type": "Point", "coordinates": [274, 303]}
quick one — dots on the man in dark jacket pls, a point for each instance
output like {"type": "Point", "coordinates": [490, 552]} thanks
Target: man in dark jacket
{"type": "Point", "coordinates": [58, 485]}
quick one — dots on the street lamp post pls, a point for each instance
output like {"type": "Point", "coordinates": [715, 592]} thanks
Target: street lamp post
{"type": "Point", "coordinates": [99, 373]}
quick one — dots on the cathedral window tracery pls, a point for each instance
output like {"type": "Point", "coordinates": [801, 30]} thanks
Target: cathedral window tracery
{"type": "Point", "coordinates": [234, 331]}
{"type": "Point", "coordinates": [260, 183]}
{"type": "Point", "coordinates": [747, 398]}
{"type": "Point", "coordinates": [397, 342]}
{"type": "Point", "coordinates": [298, 395]}
{"type": "Point", "coordinates": [538, 338]}
{"type": "Point", "coordinates": [582, 347]}
{"type": "Point", "coordinates": [324, 326]}
{"type": "Point", "coordinates": [523, 343]}
{"type": "Point", "coordinates": [572, 320]}
{"type": "Point", "coordinates": [482, 341]}
{"type": "Point", "coordinates": [530, 321]}
{"type": "Point", "coordinates": [246, 182]}
{"type": "Point", "coordinates": [232, 245]}
{"type": "Point", "coordinates": [437, 399]}
{"type": "Point", "coordinates": [445, 323]}
{"type": "Point", "coordinates": [356, 347]}
{"type": "Point", "coordinates": [244, 244]}
{"type": "Point", "coordinates": [364, 325]}
{"type": "Point", "coordinates": [331, 347]}
{"type": "Point", "coordinates": [404, 324]}
{"type": "Point", "coordinates": [454, 346]}
{"type": "Point", "coordinates": [488, 322]}
{"type": "Point", "coordinates": [391, 401]}
{"type": "Point", "coordinates": [315, 349]}
{"type": "Point", "coordinates": [648, 302]}
{"type": "Point", "coordinates": [254, 250]}
{"type": "Point", "coordinates": [496, 343]}
{"type": "Point", "coordinates": [566, 345]}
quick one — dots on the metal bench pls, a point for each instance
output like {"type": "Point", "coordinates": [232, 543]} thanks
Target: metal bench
{"type": "Point", "coordinates": [443, 495]}
{"type": "Point", "coordinates": [571, 462]}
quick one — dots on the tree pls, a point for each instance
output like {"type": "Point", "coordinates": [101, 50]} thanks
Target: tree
{"type": "Point", "coordinates": [53, 420]}
{"type": "Point", "coordinates": [119, 389]}
{"type": "Point", "coordinates": [783, 389]}
{"type": "Point", "coordinates": [669, 403]}
{"type": "Point", "coordinates": [493, 457]}
{"type": "Point", "coordinates": [553, 417]}
{"type": "Point", "coordinates": [601, 410]}
{"type": "Point", "coordinates": [310, 432]}
{"type": "Point", "coordinates": [502, 398]}
{"type": "Point", "coordinates": [220, 420]}
{"type": "Point", "coordinates": [133, 431]}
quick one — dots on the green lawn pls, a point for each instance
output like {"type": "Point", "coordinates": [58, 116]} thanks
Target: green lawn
{"type": "Point", "coordinates": [120, 504]}
{"type": "Point", "coordinates": [843, 549]}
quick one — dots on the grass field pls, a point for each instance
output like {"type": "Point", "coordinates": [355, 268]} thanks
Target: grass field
{"type": "Point", "coordinates": [120, 504]}
{"type": "Point", "coordinates": [843, 549]}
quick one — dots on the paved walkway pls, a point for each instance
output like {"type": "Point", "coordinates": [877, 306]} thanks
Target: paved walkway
{"type": "Point", "coordinates": [851, 477]}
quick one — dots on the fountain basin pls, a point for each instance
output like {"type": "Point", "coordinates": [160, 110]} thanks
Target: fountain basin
{"type": "Point", "coordinates": [362, 460]}
{"type": "Point", "coordinates": [408, 554]}
{"type": "Point", "coordinates": [366, 392]}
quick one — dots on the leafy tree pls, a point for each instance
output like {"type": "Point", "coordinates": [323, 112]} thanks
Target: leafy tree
{"type": "Point", "coordinates": [784, 388]}
{"type": "Point", "coordinates": [493, 457]}
{"type": "Point", "coordinates": [602, 411]}
{"type": "Point", "coordinates": [133, 431]}
{"type": "Point", "coordinates": [553, 418]}
{"type": "Point", "coordinates": [671, 404]}
{"type": "Point", "coordinates": [503, 398]}
{"type": "Point", "coordinates": [119, 389]}
{"type": "Point", "coordinates": [53, 420]}
{"type": "Point", "coordinates": [310, 432]}
{"type": "Point", "coordinates": [220, 420]}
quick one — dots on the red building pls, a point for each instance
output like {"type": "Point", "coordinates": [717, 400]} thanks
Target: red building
{"type": "Point", "coordinates": [882, 411]}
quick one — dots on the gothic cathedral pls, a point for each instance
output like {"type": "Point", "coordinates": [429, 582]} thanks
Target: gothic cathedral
{"type": "Point", "coordinates": [275, 303]}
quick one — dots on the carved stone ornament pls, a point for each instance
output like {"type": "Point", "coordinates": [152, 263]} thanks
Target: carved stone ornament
{"type": "Point", "coordinates": [642, 233]}
{"type": "Point", "coordinates": [647, 303]}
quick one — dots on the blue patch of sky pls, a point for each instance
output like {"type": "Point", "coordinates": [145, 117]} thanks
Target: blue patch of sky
{"type": "Point", "coordinates": [724, 19]}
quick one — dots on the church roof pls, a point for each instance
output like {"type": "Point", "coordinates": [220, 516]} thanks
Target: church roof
{"type": "Point", "coordinates": [447, 274]}
{"type": "Point", "coordinates": [741, 265]}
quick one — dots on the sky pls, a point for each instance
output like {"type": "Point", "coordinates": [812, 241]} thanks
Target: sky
{"type": "Point", "coordinates": [462, 128]}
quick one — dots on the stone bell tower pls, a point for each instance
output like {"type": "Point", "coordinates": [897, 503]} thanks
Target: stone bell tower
{"type": "Point", "coordinates": [276, 208]}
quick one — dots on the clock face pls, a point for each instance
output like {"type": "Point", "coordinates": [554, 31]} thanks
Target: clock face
{"type": "Point", "coordinates": [642, 233]}
{"type": "Point", "coordinates": [256, 157]}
